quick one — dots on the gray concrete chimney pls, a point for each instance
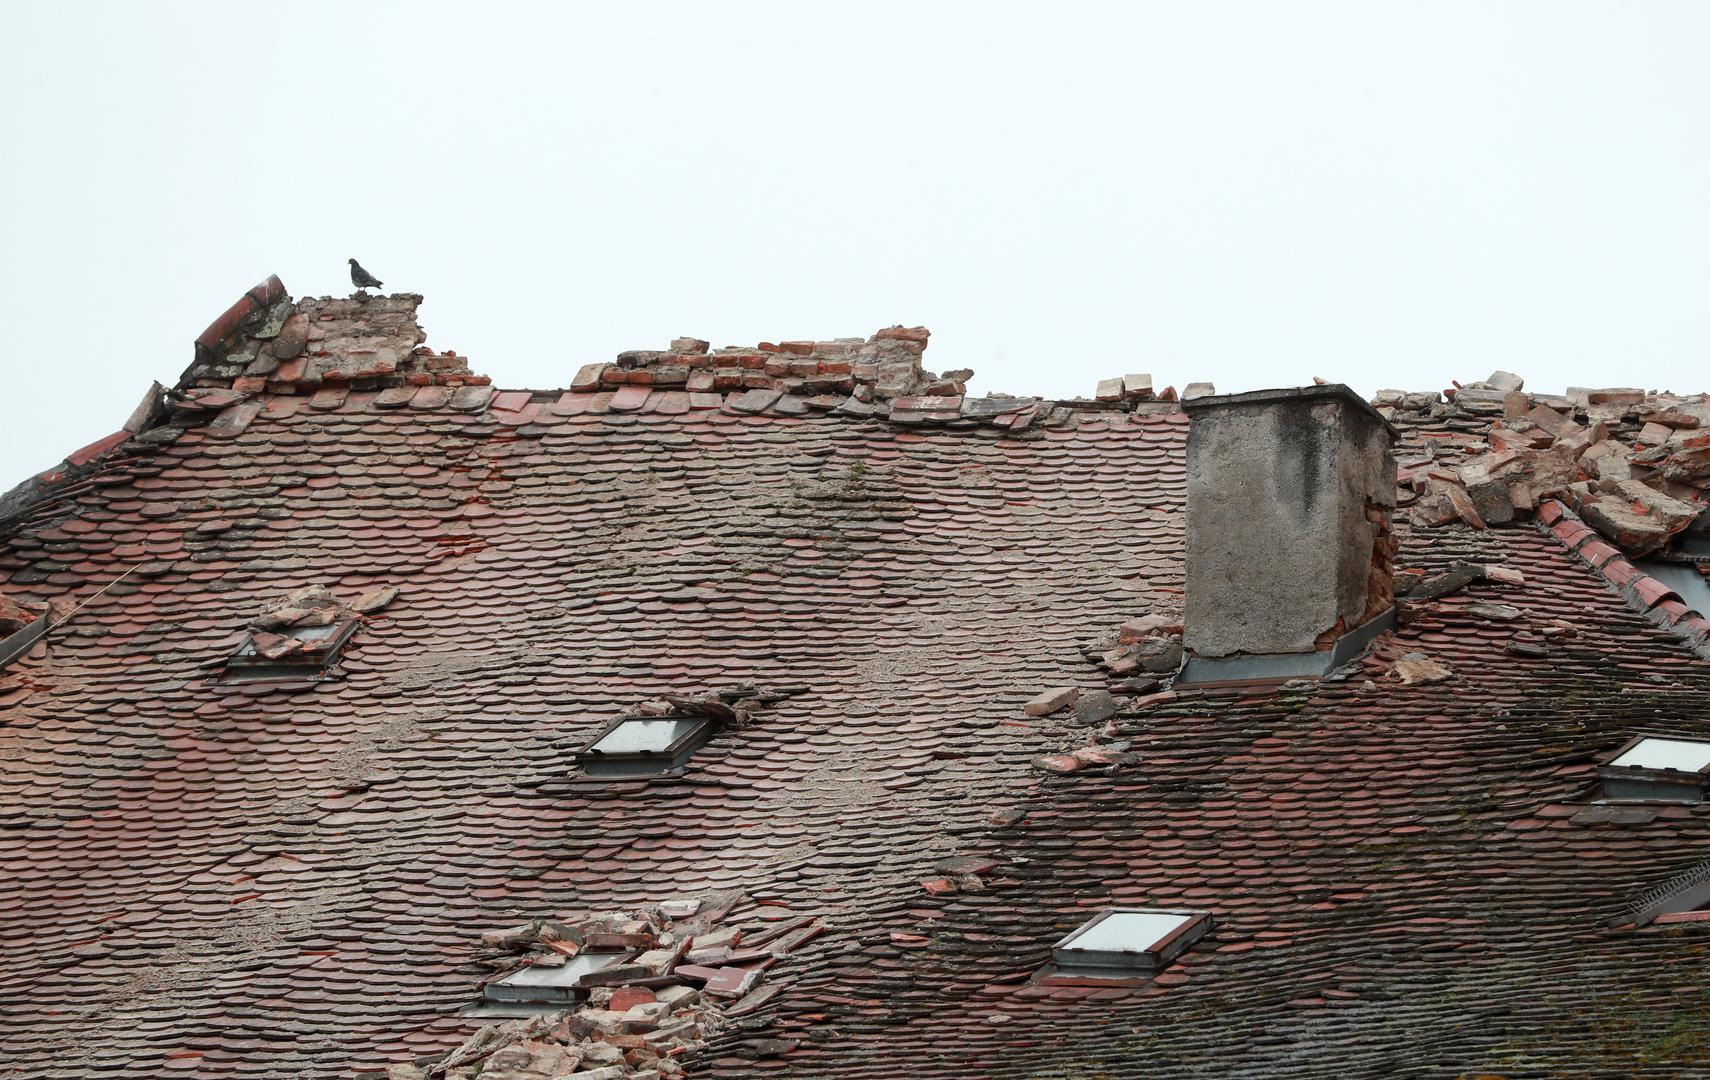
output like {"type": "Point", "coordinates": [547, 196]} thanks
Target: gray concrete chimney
{"type": "Point", "coordinates": [1290, 558]}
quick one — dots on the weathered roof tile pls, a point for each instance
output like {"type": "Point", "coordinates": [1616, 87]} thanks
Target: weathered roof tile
{"type": "Point", "coordinates": [191, 863]}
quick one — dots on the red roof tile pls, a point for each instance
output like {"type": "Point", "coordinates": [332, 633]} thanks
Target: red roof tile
{"type": "Point", "coordinates": [251, 880]}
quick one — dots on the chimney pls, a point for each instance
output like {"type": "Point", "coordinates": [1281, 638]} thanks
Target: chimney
{"type": "Point", "coordinates": [1290, 559]}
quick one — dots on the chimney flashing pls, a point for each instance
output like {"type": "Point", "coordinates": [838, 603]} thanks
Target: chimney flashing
{"type": "Point", "coordinates": [1280, 667]}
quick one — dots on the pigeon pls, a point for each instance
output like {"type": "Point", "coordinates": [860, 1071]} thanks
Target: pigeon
{"type": "Point", "coordinates": [361, 278]}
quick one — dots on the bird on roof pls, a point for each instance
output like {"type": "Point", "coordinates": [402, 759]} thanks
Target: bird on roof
{"type": "Point", "coordinates": [361, 278]}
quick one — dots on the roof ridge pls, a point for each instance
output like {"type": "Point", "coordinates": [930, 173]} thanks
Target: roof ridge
{"type": "Point", "coordinates": [878, 377]}
{"type": "Point", "coordinates": [1644, 593]}
{"type": "Point", "coordinates": [269, 341]}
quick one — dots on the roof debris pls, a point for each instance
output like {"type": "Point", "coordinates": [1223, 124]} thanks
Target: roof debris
{"type": "Point", "coordinates": [1150, 643]}
{"type": "Point", "coordinates": [1419, 668]}
{"type": "Point", "coordinates": [375, 599]}
{"type": "Point", "coordinates": [1635, 465]}
{"type": "Point", "coordinates": [312, 863]}
{"type": "Point", "coordinates": [1054, 700]}
{"type": "Point", "coordinates": [14, 615]}
{"type": "Point", "coordinates": [681, 978]}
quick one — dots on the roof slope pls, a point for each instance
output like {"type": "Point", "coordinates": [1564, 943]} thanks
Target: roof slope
{"type": "Point", "coordinates": [242, 881]}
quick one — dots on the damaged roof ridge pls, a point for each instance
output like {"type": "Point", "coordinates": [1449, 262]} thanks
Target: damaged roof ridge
{"type": "Point", "coordinates": [1642, 592]}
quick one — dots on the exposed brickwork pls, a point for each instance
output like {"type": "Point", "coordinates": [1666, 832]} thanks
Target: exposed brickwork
{"type": "Point", "coordinates": [879, 377]}
{"type": "Point", "coordinates": [293, 347]}
{"type": "Point", "coordinates": [14, 616]}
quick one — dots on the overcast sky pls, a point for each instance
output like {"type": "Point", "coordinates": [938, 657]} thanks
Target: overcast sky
{"type": "Point", "coordinates": [1385, 194]}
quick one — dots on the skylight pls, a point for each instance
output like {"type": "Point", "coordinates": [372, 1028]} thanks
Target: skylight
{"type": "Point", "coordinates": [292, 652]}
{"type": "Point", "coordinates": [1128, 942]}
{"type": "Point", "coordinates": [1682, 754]}
{"type": "Point", "coordinates": [1653, 768]}
{"type": "Point", "coordinates": [548, 985]}
{"type": "Point", "coordinates": [644, 745]}
{"type": "Point", "coordinates": [541, 990]}
{"type": "Point", "coordinates": [645, 736]}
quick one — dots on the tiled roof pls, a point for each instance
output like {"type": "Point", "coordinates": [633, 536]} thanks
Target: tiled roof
{"type": "Point", "coordinates": [226, 879]}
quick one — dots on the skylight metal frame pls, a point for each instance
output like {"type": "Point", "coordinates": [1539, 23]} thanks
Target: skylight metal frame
{"type": "Point", "coordinates": [514, 989]}
{"type": "Point", "coordinates": [603, 763]}
{"type": "Point", "coordinates": [1128, 963]}
{"type": "Point", "coordinates": [246, 665]}
{"type": "Point", "coordinates": [1639, 783]}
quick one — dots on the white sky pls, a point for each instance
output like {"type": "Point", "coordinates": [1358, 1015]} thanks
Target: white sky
{"type": "Point", "coordinates": [1385, 194]}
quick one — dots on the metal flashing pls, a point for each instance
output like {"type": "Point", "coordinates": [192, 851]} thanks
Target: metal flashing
{"type": "Point", "coordinates": [1278, 667]}
{"type": "Point", "coordinates": [19, 643]}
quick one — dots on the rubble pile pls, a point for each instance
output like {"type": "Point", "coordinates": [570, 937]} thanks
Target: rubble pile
{"type": "Point", "coordinates": [1142, 655]}
{"type": "Point", "coordinates": [816, 375]}
{"type": "Point", "coordinates": [1150, 644]}
{"type": "Point", "coordinates": [1415, 590]}
{"type": "Point", "coordinates": [959, 874]}
{"type": "Point", "coordinates": [14, 616]}
{"type": "Point", "coordinates": [1634, 465]}
{"type": "Point", "coordinates": [731, 707]}
{"type": "Point", "coordinates": [279, 630]}
{"type": "Point", "coordinates": [269, 342]}
{"type": "Point", "coordinates": [879, 377]}
{"type": "Point", "coordinates": [673, 977]}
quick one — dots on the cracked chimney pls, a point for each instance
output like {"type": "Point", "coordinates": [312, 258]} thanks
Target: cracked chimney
{"type": "Point", "coordinates": [1289, 551]}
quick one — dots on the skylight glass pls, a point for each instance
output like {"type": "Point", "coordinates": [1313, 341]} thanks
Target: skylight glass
{"type": "Point", "coordinates": [308, 635]}
{"type": "Point", "coordinates": [646, 745]}
{"type": "Point", "coordinates": [534, 984]}
{"type": "Point", "coordinates": [646, 736]}
{"type": "Point", "coordinates": [1128, 943]}
{"type": "Point", "coordinates": [1127, 931]}
{"type": "Point", "coordinates": [292, 652]}
{"type": "Point", "coordinates": [1682, 754]}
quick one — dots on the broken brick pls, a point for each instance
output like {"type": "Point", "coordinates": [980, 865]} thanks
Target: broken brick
{"type": "Point", "coordinates": [1053, 700]}
{"type": "Point", "coordinates": [1421, 670]}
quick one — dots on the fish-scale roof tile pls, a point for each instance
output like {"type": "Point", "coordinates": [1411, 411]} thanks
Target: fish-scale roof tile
{"type": "Point", "coordinates": [223, 879]}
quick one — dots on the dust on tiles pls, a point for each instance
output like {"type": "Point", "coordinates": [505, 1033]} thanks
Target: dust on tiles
{"type": "Point", "coordinates": [977, 604]}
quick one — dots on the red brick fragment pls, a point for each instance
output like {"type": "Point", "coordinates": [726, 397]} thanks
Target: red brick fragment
{"type": "Point", "coordinates": [904, 333]}
{"type": "Point", "coordinates": [1053, 700]}
{"type": "Point", "coordinates": [625, 998]}
{"type": "Point", "coordinates": [587, 378]}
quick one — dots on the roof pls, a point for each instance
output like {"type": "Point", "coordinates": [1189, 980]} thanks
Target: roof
{"type": "Point", "coordinates": [1405, 865]}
